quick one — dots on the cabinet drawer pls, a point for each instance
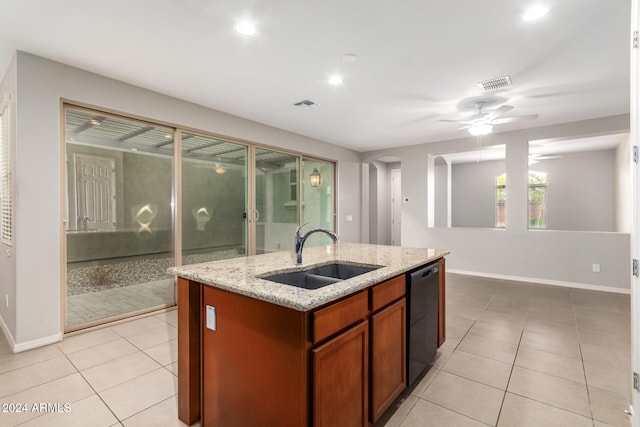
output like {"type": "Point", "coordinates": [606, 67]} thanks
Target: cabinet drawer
{"type": "Point", "coordinates": [335, 317]}
{"type": "Point", "coordinates": [387, 292]}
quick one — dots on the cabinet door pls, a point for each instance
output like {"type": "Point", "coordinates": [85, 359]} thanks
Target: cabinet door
{"type": "Point", "coordinates": [255, 363]}
{"type": "Point", "coordinates": [341, 379]}
{"type": "Point", "coordinates": [388, 357]}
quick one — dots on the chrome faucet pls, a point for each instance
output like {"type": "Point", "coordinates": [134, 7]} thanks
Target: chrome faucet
{"type": "Point", "coordinates": [301, 239]}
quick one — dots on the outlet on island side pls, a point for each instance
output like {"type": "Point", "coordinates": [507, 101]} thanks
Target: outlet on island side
{"type": "Point", "coordinates": [595, 268]}
{"type": "Point", "coordinates": [6, 300]}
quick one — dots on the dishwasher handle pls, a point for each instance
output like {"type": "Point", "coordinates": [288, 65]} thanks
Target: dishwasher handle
{"type": "Point", "coordinates": [429, 271]}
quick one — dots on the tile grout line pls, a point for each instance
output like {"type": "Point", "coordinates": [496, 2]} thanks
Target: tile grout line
{"type": "Point", "coordinates": [510, 374]}
{"type": "Point", "coordinates": [94, 390]}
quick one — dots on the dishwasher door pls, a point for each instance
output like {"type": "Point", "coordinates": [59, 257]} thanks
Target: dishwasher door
{"type": "Point", "coordinates": [422, 319]}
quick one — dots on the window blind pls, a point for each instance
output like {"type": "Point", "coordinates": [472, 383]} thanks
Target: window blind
{"type": "Point", "coordinates": [6, 198]}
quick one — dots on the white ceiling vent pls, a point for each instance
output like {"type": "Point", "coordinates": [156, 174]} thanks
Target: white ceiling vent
{"type": "Point", "coordinates": [305, 104]}
{"type": "Point", "coordinates": [495, 84]}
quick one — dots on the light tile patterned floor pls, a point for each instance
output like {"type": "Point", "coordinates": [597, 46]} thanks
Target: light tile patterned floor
{"type": "Point", "coordinates": [516, 355]}
{"type": "Point", "coordinates": [521, 355]}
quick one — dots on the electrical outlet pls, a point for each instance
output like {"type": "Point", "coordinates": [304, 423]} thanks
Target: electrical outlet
{"type": "Point", "coordinates": [595, 268]}
{"type": "Point", "coordinates": [6, 300]}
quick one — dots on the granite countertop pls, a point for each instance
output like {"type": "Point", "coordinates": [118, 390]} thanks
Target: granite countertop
{"type": "Point", "coordinates": [242, 275]}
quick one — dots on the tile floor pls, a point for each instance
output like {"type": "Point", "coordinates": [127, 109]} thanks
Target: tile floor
{"type": "Point", "coordinates": [522, 355]}
{"type": "Point", "coordinates": [516, 355]}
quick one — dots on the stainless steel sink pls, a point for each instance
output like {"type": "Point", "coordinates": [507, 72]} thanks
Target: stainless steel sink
{"type": "Point", "coordinates": [318, 277]}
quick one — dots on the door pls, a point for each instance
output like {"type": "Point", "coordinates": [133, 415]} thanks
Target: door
{"type": "Point", "coordinates": [396, 206]}
{"type": "Point", "coordinates": [95, 198]}
{"type": "Point", "coordinates": [214, 198]}
{"type": "Point", "coordinates": [388, 357]}
{"type": "Point", "coordinates": [275, 213]}
{"type": "Point", "coordinates": [340, 379]}
{"type": "Point", "coordinates": [119, 185]}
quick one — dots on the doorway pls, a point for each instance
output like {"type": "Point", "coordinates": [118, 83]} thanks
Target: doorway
{"type": "Point", "coordinates": [396, 207]}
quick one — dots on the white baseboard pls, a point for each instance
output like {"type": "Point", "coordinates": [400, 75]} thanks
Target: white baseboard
{"type": "Point", "coordinates": [28, 345]}
{"type": "Point", "coordinates": [543, 281]}
{"type": "Point", "coordinates": [7, 333]}
{"type": "Point", "coordinates": [24, 346]}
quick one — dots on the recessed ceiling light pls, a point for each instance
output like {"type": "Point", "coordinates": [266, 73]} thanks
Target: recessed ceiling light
{"type": "Point", "coordinates": [245, 28]}
{"type": "Point", "coordinates": [536, 11]}
{"type": "Point", "coordinates": [335, 80]}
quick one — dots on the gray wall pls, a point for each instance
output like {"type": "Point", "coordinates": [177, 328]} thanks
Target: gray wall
{"type": "Point", "coordinates": [581, 192]}
{"type": "Point", "coordinates": [473, 193]}
{"type": "Point", "coordinates": [546, 256]}
{"type": "Point", "coordinates": [41, 84]}
{"type": "Point", "coordinates": [580, 195]}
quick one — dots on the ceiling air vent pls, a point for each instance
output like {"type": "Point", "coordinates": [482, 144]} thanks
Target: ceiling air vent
{"type": "Point", "coordinates": [495, 84]}
{"type": "Point", "coordinates": [306, 104]}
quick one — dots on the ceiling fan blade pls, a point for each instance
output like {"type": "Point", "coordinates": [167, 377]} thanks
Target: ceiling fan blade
{"type": "Point", "coordinates": [537, 157]}
{"type": "Point", "coordinates": [454, 121]}
{"type": "Point", "coordinates": [513, 119]}
{"type": "Point", "coordinates": [501, 110]}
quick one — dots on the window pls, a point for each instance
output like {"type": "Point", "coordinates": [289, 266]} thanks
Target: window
{"type": "Point", "coordinates": [537, 200]}
{"type": "Point", "coordinates": [6, 232]}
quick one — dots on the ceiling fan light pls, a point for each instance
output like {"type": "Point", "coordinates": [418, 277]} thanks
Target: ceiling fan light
{"type": "Point", "coordinates": [536, 11]}
{"type": "Point", "coordinates": [480, 129]}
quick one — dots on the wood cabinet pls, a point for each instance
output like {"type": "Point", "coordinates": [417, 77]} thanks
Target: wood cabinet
{"type": "Point", "coordinates": [264, 364]}
{"type": "Point", "coordinates": [255, 364]}
{"type": "Point", "coordinates": [388, 357]}
{"type": "Point", "coordinates": [388, 344]}
{"type": "Point", "coordinates": [341, 379]}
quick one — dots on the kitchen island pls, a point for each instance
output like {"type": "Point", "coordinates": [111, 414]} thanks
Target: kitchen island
{"type": "Point", "coordinates": [255, 352]}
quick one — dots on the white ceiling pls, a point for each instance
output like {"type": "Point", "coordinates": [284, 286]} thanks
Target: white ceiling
{"type": "Point", "coordinates": [417, 59]}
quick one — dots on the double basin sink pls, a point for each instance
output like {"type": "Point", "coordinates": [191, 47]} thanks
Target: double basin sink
{"type": "Point", "coordinates": [318, 277]}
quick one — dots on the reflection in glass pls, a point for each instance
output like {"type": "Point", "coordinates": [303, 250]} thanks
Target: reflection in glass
{"type": "Point", "coordinates": [119, 220]}
{"type": "Point", "coordinates": [276, 200]}
{"type": "Point", "coordinates": [317, 200]}
{"type": "Point", "coordinates": [214, 174]}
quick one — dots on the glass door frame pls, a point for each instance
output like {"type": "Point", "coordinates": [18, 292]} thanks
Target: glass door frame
{"type": "Point", "coordinates": [177, 193]}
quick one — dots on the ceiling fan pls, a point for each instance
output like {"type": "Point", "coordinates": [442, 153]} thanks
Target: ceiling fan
{"type": "Point", "coordinates": [481, 123]}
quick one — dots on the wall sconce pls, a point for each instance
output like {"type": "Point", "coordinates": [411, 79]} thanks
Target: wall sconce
{"type": "Point", "coordinates": [315, 178]}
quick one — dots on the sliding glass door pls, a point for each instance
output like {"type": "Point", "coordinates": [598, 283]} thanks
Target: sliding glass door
{"type": "Point", "coordinates": [214, 199]}
{"type": "Point", "coordinates": [119, 217]}
{"type": "Point", "coordinates": [276, 213]}
{"type": "Point", "coordinates": [142, 197]}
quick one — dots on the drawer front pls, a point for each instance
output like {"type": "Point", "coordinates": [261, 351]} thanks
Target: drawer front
{"type": "Point", "coordinates": [387, 292]}
{"type": "Point", "coordinates": [338, 316]}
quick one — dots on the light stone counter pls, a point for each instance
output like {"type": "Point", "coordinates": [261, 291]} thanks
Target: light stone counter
{"type": "Point", "coordinates": [242, 275]}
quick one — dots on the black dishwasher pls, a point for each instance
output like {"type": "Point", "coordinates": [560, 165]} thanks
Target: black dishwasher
{"type": "Point", "coordinates": [422, 319]}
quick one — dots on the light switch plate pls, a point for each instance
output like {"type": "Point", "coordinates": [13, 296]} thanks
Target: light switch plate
{"type": "Point", "coordinates": [211, 318]}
